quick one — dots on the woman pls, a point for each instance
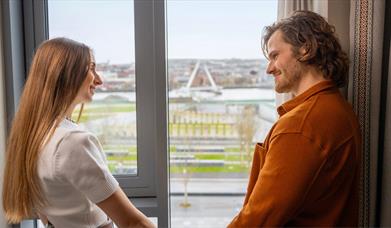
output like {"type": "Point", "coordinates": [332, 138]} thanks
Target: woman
{"type": "Point", "coordinates": [53, 168]}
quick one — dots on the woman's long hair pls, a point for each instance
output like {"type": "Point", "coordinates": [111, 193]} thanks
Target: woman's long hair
{"type": "Point", "coordinates": [57, 72]}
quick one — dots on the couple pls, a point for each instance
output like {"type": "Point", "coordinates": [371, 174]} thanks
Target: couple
{"type": "Point", "coordinates": [304, 174]}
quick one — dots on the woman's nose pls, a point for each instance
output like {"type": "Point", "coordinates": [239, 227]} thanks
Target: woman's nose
{"type": "Point", "coordinates": [98, 79]}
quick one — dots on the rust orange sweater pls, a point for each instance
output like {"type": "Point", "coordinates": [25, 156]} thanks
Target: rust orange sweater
{"type": "Point", "coordinates": [306, 172]}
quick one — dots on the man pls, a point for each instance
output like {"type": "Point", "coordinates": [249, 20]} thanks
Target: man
{"type": "Point", "coordinates": [306, 172]}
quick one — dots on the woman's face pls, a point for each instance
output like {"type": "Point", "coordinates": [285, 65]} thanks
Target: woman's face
{"type": "Point", "coordinates": [89, 85]}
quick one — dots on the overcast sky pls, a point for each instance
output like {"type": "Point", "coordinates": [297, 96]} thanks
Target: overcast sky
{"type": "Point", "coordinates": [196, 28]}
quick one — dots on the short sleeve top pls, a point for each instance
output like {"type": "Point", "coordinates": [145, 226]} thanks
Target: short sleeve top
{"type": "Point", "coordinates": [74, 177]}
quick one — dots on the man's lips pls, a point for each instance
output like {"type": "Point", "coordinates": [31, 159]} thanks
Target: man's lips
{"type": "Point", "coordinates": [277, 75]}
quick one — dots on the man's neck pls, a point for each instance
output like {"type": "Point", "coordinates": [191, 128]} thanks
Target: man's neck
{"type": "Point", "coordinates": [310, 78]}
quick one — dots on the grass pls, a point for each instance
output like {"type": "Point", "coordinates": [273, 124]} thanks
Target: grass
{"type": "Point", "coordinates": [228, 168]}
{"type": "Point", "coordinates": [219, 129]}
{"type": "Point", "coordinates": [111, 167]}
{"type": "Point", "coordinates": [231, 157]}
{"type": "Point", "coordinates": [220, 169]}
{"type": "Point", "coordinates": [112, 108]}
{"type": "Point", "coordinates": [132, 157]}
{"type": "Point", "coordinates": [232, 149]}
{"type": "Point", "coordinates": [212, 169]}
{"type": "Point", "coordinates": [210, 156]}
{"type": "Point", "coordinates": [130, 149]}
{"type": "Point", "coordinates": [102, 110]}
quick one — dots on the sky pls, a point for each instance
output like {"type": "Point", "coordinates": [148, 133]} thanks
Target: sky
{"type": "Point", "coordinates": [206, 29]}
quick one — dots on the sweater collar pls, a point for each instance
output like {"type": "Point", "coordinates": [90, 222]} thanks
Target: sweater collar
{"type": "Point", "coordinates": [294, 102]}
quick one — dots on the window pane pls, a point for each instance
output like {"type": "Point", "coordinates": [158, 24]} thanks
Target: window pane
{"type": "Point", "coordinates": [221, 102]}
{"type": "Point", "coordinates": [108, 28]}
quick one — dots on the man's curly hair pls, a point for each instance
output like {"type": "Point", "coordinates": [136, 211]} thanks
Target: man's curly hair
{"type": "Point", "coordinates": [323, 50]}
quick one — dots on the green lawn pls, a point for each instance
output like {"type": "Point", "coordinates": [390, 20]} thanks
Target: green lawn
{"type": "Point", "coordinates": [228, 168]}
{"type": "Point", "coordinates": [109, 147]}
{"type": "Point", "coordinates": [132, 157]}
{"type": "Point", "coordinates": [232, 149]}
{"type": "Point", "coordinates": [223, 169]}
{"type": "Point", "coordinates": [231, 157]}
{"type": "Point", "coordinates": [213, 169]}
{"type": "Point", "coordinates": [101, 110]}
{"type": "Point", "coordinates": [104, 110]}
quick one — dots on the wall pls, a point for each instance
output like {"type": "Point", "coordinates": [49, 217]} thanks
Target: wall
{"type": "Point", "coordinates": [2, 120]}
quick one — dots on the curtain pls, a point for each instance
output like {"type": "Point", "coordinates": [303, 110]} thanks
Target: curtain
{"type": "Point", "coordinates": [385, 208]}
{"type": "Point", "coordinates": [368, 91]}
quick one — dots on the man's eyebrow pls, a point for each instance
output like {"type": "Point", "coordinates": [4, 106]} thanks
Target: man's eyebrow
{"type": "Point", "coordinates": [272, 53]}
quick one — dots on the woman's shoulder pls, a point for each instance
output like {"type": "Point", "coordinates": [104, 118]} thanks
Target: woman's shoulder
{"type": "Point", "coordinates": [75, 145]}
{"type": "Point", "coordinates": [69, 145]}
{"type": "Point", "coordinates": [69, 131]}
{"type": "Point", "coordinates": [68, 138]}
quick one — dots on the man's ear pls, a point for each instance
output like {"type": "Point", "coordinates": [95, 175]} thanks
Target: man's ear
{"type": "Point", "coordinates": [304, 53]}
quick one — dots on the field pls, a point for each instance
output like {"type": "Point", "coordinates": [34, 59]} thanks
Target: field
{"type": "Point", "coordinates": [228, 160]}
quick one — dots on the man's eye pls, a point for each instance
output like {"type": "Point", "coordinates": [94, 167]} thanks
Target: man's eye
{"type": "Point", "coordinates": [273, 56]}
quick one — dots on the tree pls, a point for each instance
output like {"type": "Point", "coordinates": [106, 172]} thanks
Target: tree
{"type": "Point", "coordinates": [246, 127]}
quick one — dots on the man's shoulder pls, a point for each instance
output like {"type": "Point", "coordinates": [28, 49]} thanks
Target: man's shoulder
{"type": "Point", "coordinates": [322, 114]}
{"type": "Point", "coordinates": [293, 121]}
{"type": "Point", "coordinates": [289, 123]}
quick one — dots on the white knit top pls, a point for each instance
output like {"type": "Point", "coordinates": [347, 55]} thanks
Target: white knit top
{"type": "Point", "coordinates": [74, 176]}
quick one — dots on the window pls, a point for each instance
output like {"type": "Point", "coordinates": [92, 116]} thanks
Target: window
{"type": "Point", "coordinates": [221, 102]}
{"type": "Point", "coordinates": [140, 164]}
{"type": "Point", "coordinates": [215, 83]}
{"type": "Point", "coordinates": [112, 114]}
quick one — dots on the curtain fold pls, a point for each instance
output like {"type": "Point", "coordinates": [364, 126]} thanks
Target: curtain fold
{"type": "Point", "coordinates": [368, 92]}
{"type": "Point", "coordinates": [286, 7]}
{"type": "Point", "coordinates": [385, 218]}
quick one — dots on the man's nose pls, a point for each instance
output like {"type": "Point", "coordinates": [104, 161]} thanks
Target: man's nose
{"type": "Point", "coordinates": [270, 68]}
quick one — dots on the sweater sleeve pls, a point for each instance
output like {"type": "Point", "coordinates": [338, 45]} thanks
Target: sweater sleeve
{"type": "Point", "coordinates": [80, 161]}
{"type": "Point", "coordinates": [292, 163]}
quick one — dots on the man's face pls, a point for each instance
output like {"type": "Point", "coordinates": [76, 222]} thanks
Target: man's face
{"type": "Point", "coordinates": [283, 64]}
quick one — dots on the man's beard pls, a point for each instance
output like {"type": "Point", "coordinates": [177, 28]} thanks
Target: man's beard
{"type": "Point", "coordinates": [287, 82]}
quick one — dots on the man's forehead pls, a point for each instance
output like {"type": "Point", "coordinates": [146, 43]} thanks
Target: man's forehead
{"type": "Point", "coordinates": [275, 38]}
{"type": "Point", "coordinates": [276, 41]}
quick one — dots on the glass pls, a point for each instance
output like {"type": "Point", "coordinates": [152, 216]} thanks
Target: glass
{"type": "Point", "coordinates": [221, 102]}
{"type": "Point", "coordinates": [108, 28]}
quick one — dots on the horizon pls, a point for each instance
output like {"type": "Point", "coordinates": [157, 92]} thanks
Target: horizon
{"type": "Point", "coordinates": [249, 59]}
